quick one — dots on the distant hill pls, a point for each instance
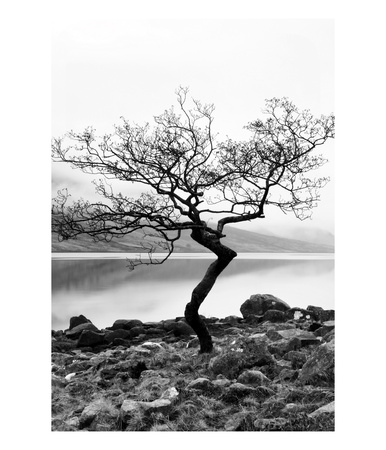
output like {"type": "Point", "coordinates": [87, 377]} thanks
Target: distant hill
{"type": "Point", "coordinates": [239, 240]}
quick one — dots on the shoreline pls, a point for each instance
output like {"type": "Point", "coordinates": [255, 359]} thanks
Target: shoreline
{"type": "Point", "coordinates": [267, 372]}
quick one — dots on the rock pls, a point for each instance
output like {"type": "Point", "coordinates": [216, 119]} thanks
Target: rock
{"type": "Point", "coordinates": [90, 338]}
{"type": "Point", "coordinates": [236, 391]}
{"type": "Point", "coordinates": [77, 331]}
{"type": "Point", "coordinates": [231, 320]}
{"type": "Point", "coordinates": [130, 407]}
{"type": "Point", "coordinates": [119, 342]}
{"type": "Point", "coordinates": [283, 346]}
{"type": "Point", "coordinates": [152, 346]}
{"type": "Point", "coordinates": [256, 352]}
{"type": "Point", "coordinates": [330, 336]}
{"type": "Point", "coordinates": [322, 315]}
{"type": "Point", "coordinates": [259, 304]}
{"type": "Point", "coordinates": [155, 332]}
{"type": "Point", "coordinates": [170, 394]}
{"type": "Point", "coordinates": [327, 315]}
{"type": "Point", "coordinates": [137, 331]}
{"type": "Point", "coordinates": [123, 324]}
{"type": "Point", "coordinates": [161, 405]}
{"type": "Point", "coordinates": [305, 342]}
{"type": "Point", "coordinates": [300, 314]}
{"type": "Point", "coordinates": [73, 422]}
{"type": "Point", "coordinates": [314, 326]}
{"type": "Point", "coordinates": [253, 319]}
{"type": "Point", "coordinates": [325, 328]}
{"type": "Point", "coordinates": [274, 315]}
{"type": "Point", "coordinates": [288, 375]}
{"type": "Point", "coordinates": [79, 366]}
{"type": "Point", "coordinates": [289, 334]}
{"type": "Point", "coordinates": [78, 320]}
{"type": "Point", "coordinates": [57, 381]}
{"type": "Point", "coordinates": [183, 329]}
{"type": "Point", "coordinates": [180, 328]}
{"type": "Point", "coordinates": [221, 382]}
{"type": "Point", "coordinates": [326, 409]}
{"type": "Point", "coordinates": [193, 343]}
{"type": "Point", "coordinates": [148, 325]}
{"type": "Point", "coordinates": [119, 333]}
{"type": "Point", "coordinates": [228, 364]}
{"type": "Point", "coordinates": [297, 359]}
{"type": "Point", "coordinates": [291, 408]}
{"type": "Point", "coordinates": [63, 346]}
{"type": "Point", "coordinates": [202, 384]}
{"type": "Point", "coordinates": [69, 377]}
{"type": "Point", "coordinates": [235, 422]}
{"type": "Point", "coordinates": [253, 378]}
{"type": "Point", "coordinates": [280, 365]}
{"type": "Point", "coordinates": [320, 366]}
{"type": "Point", "coordinates": [100, 411]}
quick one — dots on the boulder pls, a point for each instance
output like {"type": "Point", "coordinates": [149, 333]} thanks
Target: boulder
{"type": "Point", "coordinates": [256, 352]}
{"type": "Point", "coordinates": [137, 331]}
{"type": "Point", "coordinates": [151, 345]}
{"type": "Point", "coordinates": [228, 364]}
{"type": "Point", "coordinates": [236, 391]}
{"type": "Point", "coordinates": [274, 315]}
{"type": "Point", "coordinates": [119, 333]}
{"type": "Point", "coordinates": [325, 328]}
{"type": "Point", "coordinates": [170, 394]}
{"type": "Point", "coordinates": [180, 328]}
{"type": "Point", "coordinates": [202, 384]}
{"type": "Point", "coordinates": [281, 347]}
{"type": "Point", "coordinates": [300, 314]}
{"type": "Point", "coordinates": [75, 332]}
{"type": "Point", "coordinates": [253, 378]}
{"type": "Point", "coordinates": [259, 304]}
{"type": "Point", "coordinates": [155, 331]}
{"type": "Point", "coordinates": [290, 333]}
{"type": "Point", "coordinates": [322, 315]}
{"type": "Point", "coordinates": [63, 346]}
{"type": "Point", "coordinates": [320, 366]}
{"type": "Point", "coordinates": [100, 411]}
{"type": "Point", "coordinates": [90, 338]}
{"type": "Point", "coordinates": [326, 409]}
{"type": "Point", "coordinates": [231, 320]}
{"type": "Point", "coordinates": [78, 320]}
{"type": "Point", "coordinates": [125, 324]}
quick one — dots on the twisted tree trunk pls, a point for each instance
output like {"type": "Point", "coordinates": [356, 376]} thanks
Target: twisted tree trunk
{"type": "Point", "coordinates": [224, 257]}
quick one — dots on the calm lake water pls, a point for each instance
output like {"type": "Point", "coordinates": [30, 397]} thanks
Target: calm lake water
{"type": "Point", "coordinates": [101, 287]}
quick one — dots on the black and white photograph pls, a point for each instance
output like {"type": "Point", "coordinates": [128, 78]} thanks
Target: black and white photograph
{"type": "Point", "coordinates": [193, 225]}
{"type": "Point", "coordinates": [206, 236]}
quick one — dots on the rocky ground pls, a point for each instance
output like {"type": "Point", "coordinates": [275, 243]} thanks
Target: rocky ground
{"type": "Point", "coordinates": [271, 370]}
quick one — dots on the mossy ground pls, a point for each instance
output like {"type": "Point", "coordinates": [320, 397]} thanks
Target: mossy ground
{"type": "Point", "coordinates": [106, 379]}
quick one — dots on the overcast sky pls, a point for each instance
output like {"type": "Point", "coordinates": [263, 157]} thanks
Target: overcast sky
{"type": "Point", "coordinates": [105, 69]}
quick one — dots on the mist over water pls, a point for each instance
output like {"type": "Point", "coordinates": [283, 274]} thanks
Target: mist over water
{"type": "Point", "coordinates": [105, 290]}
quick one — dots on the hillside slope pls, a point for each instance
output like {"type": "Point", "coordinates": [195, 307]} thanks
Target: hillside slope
{"type": "Point", "coordinates": [239, 240]}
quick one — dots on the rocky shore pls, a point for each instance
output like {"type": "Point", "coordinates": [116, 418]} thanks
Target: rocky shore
{"type": "Point", "coordinates": [272, 369]}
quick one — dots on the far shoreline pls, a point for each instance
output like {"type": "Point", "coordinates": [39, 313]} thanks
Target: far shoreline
{"type": "Point", "coordinates": [192, 255]}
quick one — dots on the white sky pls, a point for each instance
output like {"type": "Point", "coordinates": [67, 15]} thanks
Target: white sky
{"type": "Point", "coordinates": [103, 69]}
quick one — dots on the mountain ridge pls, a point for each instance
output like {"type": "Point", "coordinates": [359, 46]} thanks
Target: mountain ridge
{"type": "Point", "coordinates": [236, 238]}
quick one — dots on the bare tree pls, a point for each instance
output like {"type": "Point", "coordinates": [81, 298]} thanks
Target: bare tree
{"type": "Point", "coordinates": [189, 177]}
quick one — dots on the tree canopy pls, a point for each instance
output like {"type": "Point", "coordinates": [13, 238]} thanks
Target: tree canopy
{"type": "Point", "coordinates": [189, 175]}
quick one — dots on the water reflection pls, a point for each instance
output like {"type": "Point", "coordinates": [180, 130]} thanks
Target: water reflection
{"type": "Point", "coordinates": [105, 290]}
